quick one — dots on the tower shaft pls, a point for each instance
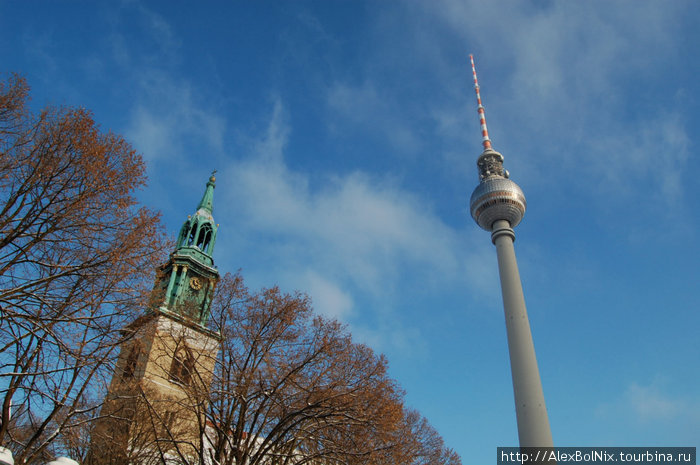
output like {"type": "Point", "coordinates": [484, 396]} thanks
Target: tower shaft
{"type": "Point", "coordinates": [530, 409]}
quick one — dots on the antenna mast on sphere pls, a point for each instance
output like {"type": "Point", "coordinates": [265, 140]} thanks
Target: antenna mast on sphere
{"type": "Point", "coordinates": [482, 115]}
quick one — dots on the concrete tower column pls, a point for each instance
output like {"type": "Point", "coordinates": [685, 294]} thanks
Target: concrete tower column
{"type": "Point", "coordinates": [530, 409]}
{"type": "Point", "coordinates": [497, 205]}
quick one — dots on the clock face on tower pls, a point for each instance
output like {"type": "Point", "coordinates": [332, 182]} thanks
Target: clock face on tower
{"type": "Point", "coordinates": [195, 283]}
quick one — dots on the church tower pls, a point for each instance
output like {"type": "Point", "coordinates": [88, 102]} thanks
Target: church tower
{"type": "Point", "coordinates": [153, 412]}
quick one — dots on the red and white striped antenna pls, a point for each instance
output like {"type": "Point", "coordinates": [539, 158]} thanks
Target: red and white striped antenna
{"type": "Point", "coordinates": [486, 142]}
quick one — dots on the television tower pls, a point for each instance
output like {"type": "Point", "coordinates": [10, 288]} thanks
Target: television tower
{"type": "Point", "coordinates": [497, 205]}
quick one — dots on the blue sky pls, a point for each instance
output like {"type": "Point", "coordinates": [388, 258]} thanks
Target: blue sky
{"type": "Point", "coordinates": [345, 136]}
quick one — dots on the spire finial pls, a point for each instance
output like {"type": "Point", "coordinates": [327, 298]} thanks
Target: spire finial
{"type": "Point", "coordinates": [486, 142]}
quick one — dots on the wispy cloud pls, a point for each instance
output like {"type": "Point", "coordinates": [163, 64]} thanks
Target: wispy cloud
{"type": "Point", "coordinates": [168, 113]}
{"type": "Point", "coordinates": [366, 220]}
{"type": "Point", "coordinates": [558, 73]}
{"type": "Point", "coordinates": [649, 404]}
{"type": "Point", "coordinates": [340, 237]}
{"type": "Point", "coordinates": [329, 300]}
{"type": "Point", "coordinates": [652, 403]}
{"type": "Point", "coordinates": [166, 110]}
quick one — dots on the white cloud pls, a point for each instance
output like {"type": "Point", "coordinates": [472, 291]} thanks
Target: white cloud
{"type": "Point", "coordinates": [167, 113]}
{"type": "Point", "coordinates": [649, 404]}
{"type": "Point", "coordinates": [652, 152]}
{"type": "Point", "coordinates": [328, 299]}
{"type": "Point", "coordinates": [150, 133]}
{"type": "Point", "coordinates": [342, 238]}
{"type": "Point", "coordinates": [363, 227]}
{"type": "Point", "coordinates": [557, 76]}
{"type": "Point", "coordinates": [410, 342]}
{"type": "Point", "coordinates": [270, 147]}
{"type": "Point", "coordinates": [360, 224]}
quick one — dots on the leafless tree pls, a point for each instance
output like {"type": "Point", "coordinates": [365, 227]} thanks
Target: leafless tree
{"type": "Point", "coordinates": [76, 253]}
{"type": "Point", "coordinates": [420, 443]}
{"type": "Point", "coordinates": [291, 388]}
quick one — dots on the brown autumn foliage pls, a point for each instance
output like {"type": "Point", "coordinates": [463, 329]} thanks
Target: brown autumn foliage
{"type": "Point", "coordinates": [293, 388]}
{"type": "Point", "coordinates": [421, 443]}
{"type": "Point", "coordinates": [76, 254]}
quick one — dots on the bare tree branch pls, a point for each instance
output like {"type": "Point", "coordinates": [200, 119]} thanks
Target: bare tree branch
{"type": "Point", "coordinates": [76, 255]}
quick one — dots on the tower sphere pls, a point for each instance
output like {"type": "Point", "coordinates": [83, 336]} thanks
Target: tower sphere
{"type": "Point", "coordinates": [497, 198]}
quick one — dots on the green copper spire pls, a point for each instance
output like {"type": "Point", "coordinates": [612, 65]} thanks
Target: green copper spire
{"type": "Point", "coordinates": [207, 202]}
{"type": "Point", "coordinates": [198, 234]}
{"type": "Point", "coordinates": [189, 277]}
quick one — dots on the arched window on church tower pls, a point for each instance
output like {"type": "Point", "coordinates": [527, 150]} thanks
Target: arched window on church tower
{"type": "Point", "coordinates": [183, 234]}
{"type": "Point", "coordinates": [193, 234]}
{"type": "Point", "coordinates": [182, 366]}
{"type": "Point", "coordinates": [132, 361]}
{"type": "Point", "coordinates": [204, 237]}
